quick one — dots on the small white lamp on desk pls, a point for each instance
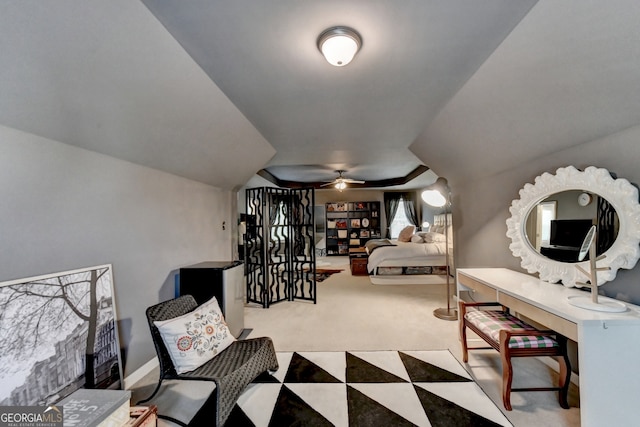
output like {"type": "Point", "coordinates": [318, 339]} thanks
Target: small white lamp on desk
{"type": "Point", "coordinates": [592, 303]}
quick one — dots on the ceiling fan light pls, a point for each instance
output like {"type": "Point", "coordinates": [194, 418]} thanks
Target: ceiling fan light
{"type": "Point", "coordinates": [341, 185]}
{"type": "Point", "coordinates": [339, 45]}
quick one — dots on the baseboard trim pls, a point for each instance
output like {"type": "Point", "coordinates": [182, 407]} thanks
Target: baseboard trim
{"type": "Point", "coordinates": [140, 373]}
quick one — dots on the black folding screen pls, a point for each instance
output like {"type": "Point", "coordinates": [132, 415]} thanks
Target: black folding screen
{"type": "Point", "coordinates": [607, 226]}
{"type": "Point", "coordinates": [280, 256]}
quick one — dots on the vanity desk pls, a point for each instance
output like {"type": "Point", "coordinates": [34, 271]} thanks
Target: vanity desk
{"type": "Point", "coordinates": [608, 343]}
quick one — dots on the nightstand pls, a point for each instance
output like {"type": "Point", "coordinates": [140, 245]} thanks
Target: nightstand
{"type": "Point", "coordinates": [358, 258]}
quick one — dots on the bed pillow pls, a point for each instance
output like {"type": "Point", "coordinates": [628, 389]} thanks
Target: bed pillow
{"type": "Point", "coordinates": [437, 229]}
{"type": "Point", "coordinates": [406, 233]}
{"type": "Point", "coordinates": [196, 337]}
{"type": "Point", "coordinates": [433, 237]}
{"type": "Point", "coordinates": [416, 238]}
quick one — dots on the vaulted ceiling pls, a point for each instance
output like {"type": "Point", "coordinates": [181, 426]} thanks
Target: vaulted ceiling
{"type": "Point", "coordinates": [216, 90]}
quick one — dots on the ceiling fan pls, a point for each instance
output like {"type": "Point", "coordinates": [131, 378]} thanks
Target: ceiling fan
{"type": "Point", "coordinates": [341, 182]}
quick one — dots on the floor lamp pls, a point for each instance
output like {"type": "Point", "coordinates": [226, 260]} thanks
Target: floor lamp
{"type": "Point", "coordinates": [438, 195]}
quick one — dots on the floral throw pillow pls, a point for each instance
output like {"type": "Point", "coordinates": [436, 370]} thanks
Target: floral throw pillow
{"type": "Point", "coordinates": [196, 337]}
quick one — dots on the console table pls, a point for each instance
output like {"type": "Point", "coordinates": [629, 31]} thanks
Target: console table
{"type": "Point", "coordinates": [608, 343]}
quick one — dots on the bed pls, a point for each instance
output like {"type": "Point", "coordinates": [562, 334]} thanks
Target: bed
{"type": "Point", "coordinates": [420, 261]}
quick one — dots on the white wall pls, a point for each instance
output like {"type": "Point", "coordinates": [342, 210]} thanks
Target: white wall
{"type": "Point", "coordinates": [481, 207]}
{"type": "Point", "coordinates": [64, 208]}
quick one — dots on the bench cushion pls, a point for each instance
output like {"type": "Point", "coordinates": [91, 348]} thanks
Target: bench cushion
{"type": "Point", "coordinates": [490, 323]}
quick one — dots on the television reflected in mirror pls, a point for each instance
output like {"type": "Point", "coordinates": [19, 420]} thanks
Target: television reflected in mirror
{"type": "Point", "coordinates": [565, 239]}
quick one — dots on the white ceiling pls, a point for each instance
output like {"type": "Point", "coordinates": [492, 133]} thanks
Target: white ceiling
{"type": "Point", "coordinates": [215, 90]}
{"type": "Point", "coordinates": [569, 73]}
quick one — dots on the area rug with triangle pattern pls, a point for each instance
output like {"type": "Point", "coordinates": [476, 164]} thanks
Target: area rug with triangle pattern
{"type": "Point", "coordinates": [366, 388]}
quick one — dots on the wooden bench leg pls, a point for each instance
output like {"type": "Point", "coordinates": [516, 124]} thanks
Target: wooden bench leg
{"type": "Point", "coordinates": [463, 331]}
{"type": "Point", "coordinates": [564, 374]}
{"type": "Point", "coordinates": [507, 370]}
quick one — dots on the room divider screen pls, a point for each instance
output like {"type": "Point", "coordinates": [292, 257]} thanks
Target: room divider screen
{"type": "Point", "coordinates": [280, 258]}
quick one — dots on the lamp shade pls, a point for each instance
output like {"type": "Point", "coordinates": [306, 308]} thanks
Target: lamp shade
{"type": "Point", "coordinates": [437, 194]}
{"type": "Point", "coordinates": [339, 45]}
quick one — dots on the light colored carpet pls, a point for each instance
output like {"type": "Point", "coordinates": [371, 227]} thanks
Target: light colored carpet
{"type": "Point", "coordinates": [354, 315]}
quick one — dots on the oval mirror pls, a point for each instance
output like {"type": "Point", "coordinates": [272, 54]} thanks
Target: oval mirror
{"type": "Point", "coordinates": [619, 248]}
{"type": "Point", "coordinates": [557, 225]}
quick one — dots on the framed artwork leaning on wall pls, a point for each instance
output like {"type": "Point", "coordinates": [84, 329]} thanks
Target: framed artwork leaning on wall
{"type": "Point", "coordinates": [58, 333]}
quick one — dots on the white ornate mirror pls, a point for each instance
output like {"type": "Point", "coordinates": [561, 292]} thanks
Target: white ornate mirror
{"type": "Point", "coordinates": [617, 215]}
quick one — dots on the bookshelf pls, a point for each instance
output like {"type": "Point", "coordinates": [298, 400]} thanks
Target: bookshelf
{"type": "Point", "coordinates": [351, 225]}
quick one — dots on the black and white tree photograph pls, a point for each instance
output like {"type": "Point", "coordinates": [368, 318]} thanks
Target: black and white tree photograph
{"type": "Point", "coordinates": [58, 333]}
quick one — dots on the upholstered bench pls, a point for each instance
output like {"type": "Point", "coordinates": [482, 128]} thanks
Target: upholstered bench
{"type": "Point", "coordinates": [512, 337]}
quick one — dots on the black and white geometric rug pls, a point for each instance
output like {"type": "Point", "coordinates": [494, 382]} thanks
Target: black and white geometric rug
{"type": "Point", "coordinates": [366, 388]}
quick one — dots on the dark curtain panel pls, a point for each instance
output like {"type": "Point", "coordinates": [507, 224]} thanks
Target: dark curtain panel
{"type": "Point", "coordinates": [410, 207]}
{"type": "Point", "coordinates": [391, 203]}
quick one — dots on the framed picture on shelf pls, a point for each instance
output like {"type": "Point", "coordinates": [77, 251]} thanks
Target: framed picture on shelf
{"type": "Point", "coordinates": [354, 242]}
{"type": "Point", "coordinates": [364, 233]}
{"type": "Point", "coordinates": [342, 234]}
{"type": "Point", "coordinates": [337, 207]}
{"type": "Point", "coordinates": [341, 223]}
{"type": "Point", "coordinates": [360, 206]}
{"type": "Point", "coordinates": [355, 223]}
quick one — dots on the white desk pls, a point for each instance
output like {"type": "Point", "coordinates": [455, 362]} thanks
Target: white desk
{"type": "Point", "coordinates": [608, 343]}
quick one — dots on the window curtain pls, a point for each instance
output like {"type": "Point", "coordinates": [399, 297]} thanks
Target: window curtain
{"type": "Point", "coordinates": [391, 204]}
{"type": "Point", "coordinates": [410, 207]}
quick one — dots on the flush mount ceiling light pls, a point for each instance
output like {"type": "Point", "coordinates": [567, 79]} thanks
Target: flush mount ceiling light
{"type": "Point", "coordinates": [339, 45]}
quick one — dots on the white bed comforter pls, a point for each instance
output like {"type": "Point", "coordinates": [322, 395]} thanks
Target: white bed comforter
{"type": "Point", "coordinates": [404, 250]}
